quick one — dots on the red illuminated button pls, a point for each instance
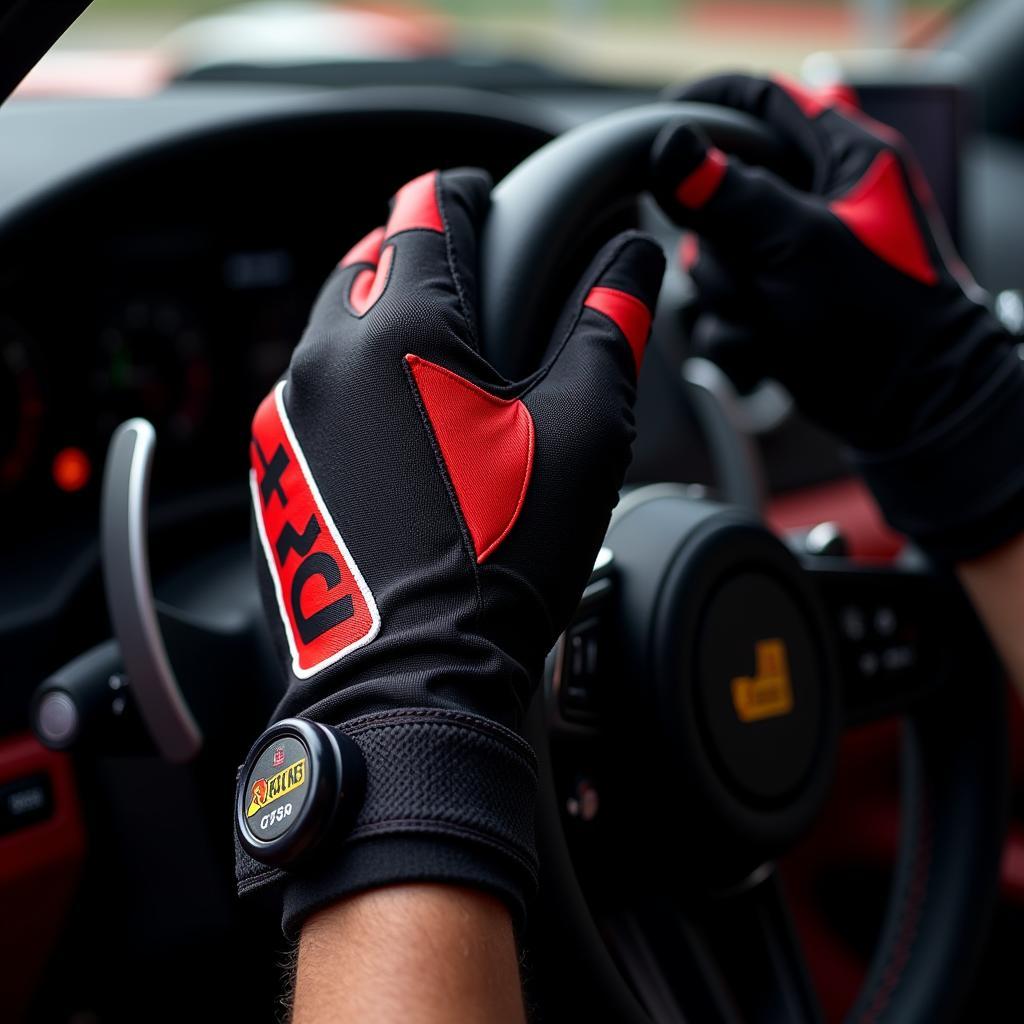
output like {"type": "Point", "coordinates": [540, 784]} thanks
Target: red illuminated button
{"type": "Point", "coordinates": [71, 469]}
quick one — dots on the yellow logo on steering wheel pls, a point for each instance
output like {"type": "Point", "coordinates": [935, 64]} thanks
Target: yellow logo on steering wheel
{"type": "Point", "coordinates": [769, 693]}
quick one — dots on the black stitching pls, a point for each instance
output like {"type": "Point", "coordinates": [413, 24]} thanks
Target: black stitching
{"type": "Point", "coordinates": [467, 541]}
{"type": "Point", "coordinates": [531, 382]}
{"type": "Point", "coordinates": [449, 248]}
{"type": "Point", "coordinates": [910, 918]}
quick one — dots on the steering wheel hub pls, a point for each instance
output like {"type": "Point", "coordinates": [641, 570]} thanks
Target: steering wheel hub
{"type": "Point", "coordinates": [736, 684]}
{"type": "Point", "coordinates": [757, 679]}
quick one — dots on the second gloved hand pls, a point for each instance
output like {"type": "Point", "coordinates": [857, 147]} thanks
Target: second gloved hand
{"type": "Point", "coordinates": [850, 294]}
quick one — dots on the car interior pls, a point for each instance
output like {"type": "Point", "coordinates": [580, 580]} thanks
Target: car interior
{"type": "Point", "coordinates": [159, 254]}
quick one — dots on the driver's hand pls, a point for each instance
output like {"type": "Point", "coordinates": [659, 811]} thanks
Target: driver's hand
{"type": "Point", "coordinates": [851, 295]}
{"type": "Point", "coordinates": [426, 529]}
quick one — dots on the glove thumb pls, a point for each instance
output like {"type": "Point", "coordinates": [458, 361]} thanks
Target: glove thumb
{"type": "Point", "coordinates": [742, 210]}
{"type": "Point", "coordinates": [606, 325]}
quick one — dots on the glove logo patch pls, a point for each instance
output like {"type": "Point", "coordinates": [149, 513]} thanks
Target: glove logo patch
{"type": "Point", "coordinates": [266, 791]}
{"type": "Point", "coordinates": [769, 692]}
{"type": "Point", "coordinates": [326, 607]}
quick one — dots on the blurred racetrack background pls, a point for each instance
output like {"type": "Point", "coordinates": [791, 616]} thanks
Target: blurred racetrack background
{"type": "Point", "coordinates": [637, 41]}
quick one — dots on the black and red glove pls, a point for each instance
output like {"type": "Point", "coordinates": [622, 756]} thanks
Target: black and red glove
{"type": "Point", "coordinates": [851, 295]}
{"type": "Point", "coordinates": [426, 529]}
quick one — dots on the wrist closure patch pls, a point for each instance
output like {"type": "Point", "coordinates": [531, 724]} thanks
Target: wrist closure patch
{"type": "Point", "coordinates": [455, 778]}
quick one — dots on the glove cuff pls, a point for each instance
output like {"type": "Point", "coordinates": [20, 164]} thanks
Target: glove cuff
{"type": "Point", "coordinates": [450, 797]}
{"type": "Point", "coordinates": [959, 489]}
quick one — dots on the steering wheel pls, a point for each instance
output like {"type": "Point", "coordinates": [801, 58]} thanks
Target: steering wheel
{"type": "Point", "coordinates": [691, 714]}
{"type": "Point", "coordinates": [690, 717]}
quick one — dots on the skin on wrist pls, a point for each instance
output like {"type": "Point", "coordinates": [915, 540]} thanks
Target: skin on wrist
{"type": "Point", "coordinates": [995, 585]}
{"type": "Point", "coordinates": [420, 954]}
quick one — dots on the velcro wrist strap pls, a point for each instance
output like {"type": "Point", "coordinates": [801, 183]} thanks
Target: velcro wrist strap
{"type": "Point", "coordinates": [458, 778]}
{"type": "Point", "coordinates": [957, 490]}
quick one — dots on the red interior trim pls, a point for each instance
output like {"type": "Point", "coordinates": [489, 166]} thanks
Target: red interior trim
{"type": "Point", "coordinates": [846, 502]}
{"type": "Point", "coordinates": [39, 870]}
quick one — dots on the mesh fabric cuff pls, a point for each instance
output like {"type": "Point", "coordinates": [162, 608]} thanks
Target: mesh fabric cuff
{"type": "Point", "coordinates": [450, 797]}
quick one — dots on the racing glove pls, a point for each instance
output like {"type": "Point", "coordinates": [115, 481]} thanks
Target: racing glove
{"type": "Point", "coordinates": [851, 295]}
{"type": "Point", "coordinates": [425, 531]}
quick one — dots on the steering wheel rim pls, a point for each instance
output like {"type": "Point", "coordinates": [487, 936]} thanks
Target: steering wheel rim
{"type": "Point", "coordinates": [540, 209]}
{"type": "Point", "coordinates": [954, 755]}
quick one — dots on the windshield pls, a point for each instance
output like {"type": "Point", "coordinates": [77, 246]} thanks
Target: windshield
{"type": "Point", "coordinates": [630, 41]}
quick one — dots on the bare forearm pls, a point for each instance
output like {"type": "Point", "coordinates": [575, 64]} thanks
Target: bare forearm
{"type": "Point", "coordinates": [418, 954]}
{"type": "Point", "coordinates": [995, 584]}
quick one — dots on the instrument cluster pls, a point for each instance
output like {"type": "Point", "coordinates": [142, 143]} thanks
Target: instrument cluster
{"type": "Point", "coordinates": [175, 326]}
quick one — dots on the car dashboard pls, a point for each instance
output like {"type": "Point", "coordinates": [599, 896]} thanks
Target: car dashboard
{"type": "Point", "coordinates": [158, 258]}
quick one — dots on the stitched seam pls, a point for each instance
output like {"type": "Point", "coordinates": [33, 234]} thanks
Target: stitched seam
{"type": "Point", "coordinates": [342, 265]}
{"type": "Point", "coordinates": [524, 487]}
{"type": "Point", "coordinates": [347, 294]}
{"type": "Point", "coordinates": [574, 323]}
{"type": "Point", "coordinates": [620, 294]}
{"type": "Point", "coordinates": [910, 918]}
{"type": "Point", "coordinates": [467, 540]}
{"type": "Point", "coordinates": [601, 312]}
{"type": "Point", "coordinates": [637, 356]}
{"type": "Point", "coordinates": [862, 186]}
{"type": "Point", "coordinates": [409, 231]}
{"type": "Point", "coordinates": [468, 385]}
{"type": "Point", "coordinates": [449, 248]}
{"type": "Point", "coordinates": [473, 389]}
{"type": "Point", "coordinates": [257, 879]}
{"type": "Point", "coordinates": [867, 181]}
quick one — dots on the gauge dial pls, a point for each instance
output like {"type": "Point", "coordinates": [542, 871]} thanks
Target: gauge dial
{"type": "Point", "coordinates": [21, 404]}
{"type": "Point", "coordinates": [151, 362]}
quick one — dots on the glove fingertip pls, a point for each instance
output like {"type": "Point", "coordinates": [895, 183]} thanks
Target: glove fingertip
{"type": "Point", "coordinates": [471, 188]}
{"type": "Point", "coordinates": [686, 168]}
{"type": "Point", "coordinates": [366, 250]}
{"type": "Point", "coordinates": [468, 178]}
{"type": "Point", "coordinates": [679, 148]}
{"type": "Point", "coordinates": [420, 203]}
{"type": "Point", "coordinates": [637, 267]}
{"type": "Point", "coordinates": [627, 289]}
{"type": "Point", "coordinates": [725, 89]}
